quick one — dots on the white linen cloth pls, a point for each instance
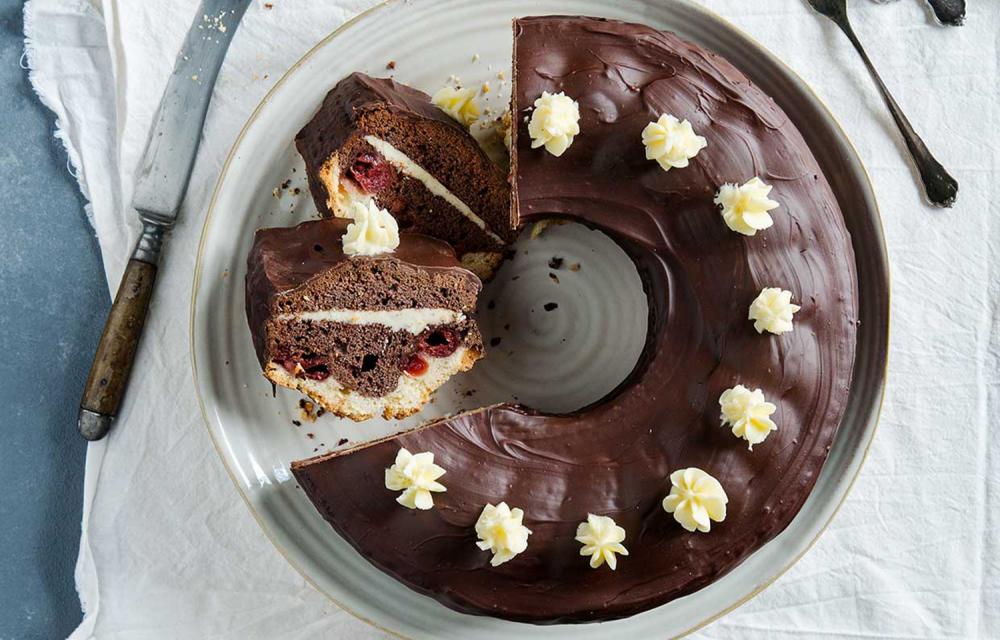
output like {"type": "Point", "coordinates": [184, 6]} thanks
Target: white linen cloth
{"type": "Point", "coordinates": [168, 550]}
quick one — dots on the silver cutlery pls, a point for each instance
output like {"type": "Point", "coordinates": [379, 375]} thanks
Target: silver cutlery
{"type": "Point", "coordinates": [161, 183]}
{"type": "Point", "coordinates": [940, 187]}
{"type": "Point", "coordinates": [949, 12]}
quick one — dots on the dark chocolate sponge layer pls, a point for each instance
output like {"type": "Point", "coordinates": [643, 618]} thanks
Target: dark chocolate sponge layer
{"type": "Point", "coordinates": [334, 148]}
{"type": "Point", "coordinates": [615, 458]}
{"type": "Point", "coordinates": [304, 269]}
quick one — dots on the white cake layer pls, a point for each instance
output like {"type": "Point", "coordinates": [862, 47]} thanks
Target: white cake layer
{"type": "Point", "coordinates": [408, 167]}
{"type": "Point", "coordinates": [411, 320]}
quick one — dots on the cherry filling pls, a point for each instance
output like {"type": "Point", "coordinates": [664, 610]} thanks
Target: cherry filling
{"type": "Point", "coordinates": [416, 367]}
{"type": "Point", "coordinates": [314, 368]}
{"type": "Point", "coordinates": [371, 172]}
{"type": "Point", "coordinates": [440, 342]}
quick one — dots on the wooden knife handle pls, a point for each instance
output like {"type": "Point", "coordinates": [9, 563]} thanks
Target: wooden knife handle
{"type": "Point", "coordinates": [109, 372]}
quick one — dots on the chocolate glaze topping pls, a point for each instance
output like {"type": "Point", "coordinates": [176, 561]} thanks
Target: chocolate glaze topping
{"type": "Point", "coordinates": [284, 258]}
{"type": "Point", "coordinates": [614, 458]}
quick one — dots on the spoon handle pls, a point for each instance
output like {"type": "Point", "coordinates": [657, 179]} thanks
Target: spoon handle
{"type": "Point", "coordinates": [940, 188]}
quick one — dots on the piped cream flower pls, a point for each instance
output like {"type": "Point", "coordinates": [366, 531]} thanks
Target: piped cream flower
{"type": "Point", "coordinates": [554, 122]}
{"type": "Point", "coordinates": [671, 142]}
{"type": "Point", "coordinates": [416, 476]}
{"type": "Point", "coordinates": [695, 499]}
{"type": "Point", "coordinates": [748, 413]}
{"type": "Point", "coordinates": [458, 103]}
{"type": "Point", "coordinates": [373, 231]}
{"type": "Point", "coordinates": [745, 207]}
{"type": "Point", "coordinates": [601, 539]}
{"type": "Point", "coordinates": [772, 310]}
{"type": "Point", "coordinates": [500, 530]}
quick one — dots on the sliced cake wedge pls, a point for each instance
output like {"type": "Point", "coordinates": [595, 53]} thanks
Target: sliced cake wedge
{"type": "Point", "coordinates": [376, 138]}
{"type": "Point", "coordinates": [362, 335]}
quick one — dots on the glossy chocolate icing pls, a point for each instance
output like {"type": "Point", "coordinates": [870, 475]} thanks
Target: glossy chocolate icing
{"type": "Point", "coordinates": [614, 458]}
{"type": "Point", "coordinates": [284, 258]}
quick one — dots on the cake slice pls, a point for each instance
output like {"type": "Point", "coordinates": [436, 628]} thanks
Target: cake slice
{"type": "Point", "coordinates": [376, 138]}
{"type": "Point", "coordinates": [361, 335]}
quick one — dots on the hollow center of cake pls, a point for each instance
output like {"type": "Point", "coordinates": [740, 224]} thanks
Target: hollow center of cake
{"type": "Point", "coordinates": [564, 322]}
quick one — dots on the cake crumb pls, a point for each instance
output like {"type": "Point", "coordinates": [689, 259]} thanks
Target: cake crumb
{"type": "Point", "coordinates": [494, 342]}
{"type": "Point", "coordinates": [491, 304]}
{"type": "Point", "coordinates": [475, 57]}
{"type": "Point", "coordinates": [501, 75]}
{"type": "Point", "coordinates": [485, 89]}
{"type": "Point", "coordinates": [469, 392]}
{"type": "Point", "coordinates": [540, 226]}
{"type": "Point", "coordinates": [575, 266]}
{"type": "Point", "coordinates": [310, 435]}
{"type": "Point", "coordinates": [390, 65]}
{"type": "Point", "coordinates": [268, 5]}
{"type": "Point", "coordinates": [296, 423]}
{"type": "Point", "coordinates": [555, 262]}
{"type": "Point", "coordinates": [551, 306]}
{"type": "Point", "coordinates": [308, 411]}
{"type": "Point", "coordinates": [342, 442]}
{"type": "Point", "coordinates": [554, 277]}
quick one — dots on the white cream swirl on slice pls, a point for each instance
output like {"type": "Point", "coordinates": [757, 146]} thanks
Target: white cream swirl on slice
{"type": "Point", "coordinates": [408, 167]}
{"type": "Point", "coordinates": [601, 539]}
{"type": "Point", "coordinates": [501, 531]}
{"type": "Point", "coordinates": [772, 311]}
{"type": "Point", "coordinates": [554, 122]}
{"type": "Point", "coordinates": [745, 207]}
{"type": "Point", "coordinates": [416, 476]}
{"type": "Point", "coordinates": [671, 142]}
{"type": "Point", "coordinates": [695, 499]}
{"type": "Point", "coordinates": [748, 413]}
{"type": "Point", "coordinates": [373, 231]}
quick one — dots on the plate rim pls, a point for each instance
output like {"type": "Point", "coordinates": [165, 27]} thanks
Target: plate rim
{"type": "Point", "coordinates": [875, 413]}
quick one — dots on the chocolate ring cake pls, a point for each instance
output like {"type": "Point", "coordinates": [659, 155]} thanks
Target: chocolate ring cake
{"type": "Point", "coordinates": [644, 136]}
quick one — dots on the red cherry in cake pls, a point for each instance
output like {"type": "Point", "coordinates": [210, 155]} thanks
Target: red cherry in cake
{"type": "Point", "coordinates": [439, 343]}
{"type": "Point", "coordinates": [371, 172]}
{"type": "Point", "coordinates": [416, 367]}
{"type": "Point", "coordinates": [311, 368]}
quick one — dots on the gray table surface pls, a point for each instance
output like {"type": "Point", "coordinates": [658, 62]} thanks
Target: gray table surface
{"type": "Point", "coordinates": [54, 299]}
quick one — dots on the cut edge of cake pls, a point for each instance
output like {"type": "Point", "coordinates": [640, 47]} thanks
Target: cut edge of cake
{"type": "Point", "coordinates": [363, 336]}
{"type": "Point", "coordinates": [363, 142]}
{"type": "Point", "coordinates": [409, 396]}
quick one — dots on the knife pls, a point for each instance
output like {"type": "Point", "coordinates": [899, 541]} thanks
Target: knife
{"type": "Point", "coordinates": [161, 183]}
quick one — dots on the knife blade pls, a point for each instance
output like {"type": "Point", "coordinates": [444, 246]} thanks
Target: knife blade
{"type": "Point", "coordinates": [161, 183]}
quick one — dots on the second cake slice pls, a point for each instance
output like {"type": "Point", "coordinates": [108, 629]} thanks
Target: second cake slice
{"type": "Point", "coordinates": [375, 138]}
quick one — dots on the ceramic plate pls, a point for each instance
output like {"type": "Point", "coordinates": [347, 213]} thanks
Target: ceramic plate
{"type": "Point", "coordinates": [262, 184]}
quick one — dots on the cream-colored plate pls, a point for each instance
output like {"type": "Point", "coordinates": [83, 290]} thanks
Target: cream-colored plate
{"type": "Point", "coordinates": [556, 360]}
